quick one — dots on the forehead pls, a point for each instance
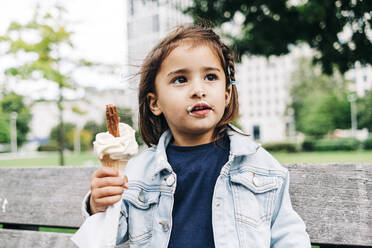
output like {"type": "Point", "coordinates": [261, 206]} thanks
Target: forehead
{"type": "Point", "coordinates": [191, 56]}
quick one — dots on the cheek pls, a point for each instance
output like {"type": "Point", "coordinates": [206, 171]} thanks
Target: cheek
{"type": "Point", "coordinates": [172, 106]}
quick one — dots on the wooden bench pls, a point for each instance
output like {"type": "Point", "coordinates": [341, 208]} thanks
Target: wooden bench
{"type": "Point", "coordinates": [335, 201]}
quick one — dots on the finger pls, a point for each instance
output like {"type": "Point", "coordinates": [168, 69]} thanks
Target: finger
{"type": "Point", "coordinates": [105, 171]}
{"type": "Point", "coordinates": [103, 202]}
{"type": "Point", "coordinates": [107, 191]}
{"type": "Point", "coordinates": [107, 181]}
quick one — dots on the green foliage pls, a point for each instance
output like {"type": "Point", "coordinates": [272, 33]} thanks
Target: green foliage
{"type": "Point", "coordinates": [308, 145]}
{"type": "Point", "coordinates": [4, 128]}
{"type": "Point", "coordinates": [52, 39]}
{"type": "Point", "coordinates": [364, 111]}
{"type": "Point", "coordinates": [85, 139]}
{"type": "Point", "coordinates": [340, 144]}
{"type": "Point", "coordinates": [52, 146]}
{"type": "Point", "coordinates": [367, 144]}
{"type": "Point", "coordinates": [269, 27]}
{"type": "Point", "coordinates": [125, 115]}
{"type": "Point", "coordinates": [319, 101]}
{"type": "Point", "coordinates": [95, 128]}
{"type": "Point", "coordinates": [12, 102]}
{"type": "Point", "coordinates": [54, 134]}
{"type": "Point", "coordinates": [280, 147]}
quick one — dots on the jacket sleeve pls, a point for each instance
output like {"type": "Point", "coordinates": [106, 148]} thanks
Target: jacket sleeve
{"type": "Point", "coordinates": [287, 227]}
{"type": "Point", "coordinates": [122, 235]}
{"type": "Point", "coordinates": [85, 206]}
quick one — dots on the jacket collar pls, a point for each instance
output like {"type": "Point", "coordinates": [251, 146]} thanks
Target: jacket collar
{"type": "Point", "coordinates": [240, 145]}
{"type": "Point", "coordinates": [240, 142]}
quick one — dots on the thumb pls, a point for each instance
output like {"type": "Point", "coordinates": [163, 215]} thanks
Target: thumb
{"type": "Point", "coordinates": [125, 185]}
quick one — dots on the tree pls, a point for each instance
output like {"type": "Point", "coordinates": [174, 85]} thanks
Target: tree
{"type": "Point", "coordinates": [125, 115]}
{"type": "Point", "coordinates": [364, 111]}
{"type": "Point", "coordinates": [319, 101]}
{"type": "Point", "coordinates": [47, 56]}
{"type": "Point", "coordinates": [338, 30]}
{"type": "Point", "coordinates": [12, 102]}
{"type": "Point", "coordinates": [68, 128]}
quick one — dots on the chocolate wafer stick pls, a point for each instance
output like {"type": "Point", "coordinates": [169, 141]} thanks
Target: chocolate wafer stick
{"type": "Point", "coordinates": [112, 120]}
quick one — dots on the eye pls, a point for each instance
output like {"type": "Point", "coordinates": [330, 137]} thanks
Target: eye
{"type": "Point", "coordinates": [179, 80]}
{"type": "Point", "coordinates": [211, 77]}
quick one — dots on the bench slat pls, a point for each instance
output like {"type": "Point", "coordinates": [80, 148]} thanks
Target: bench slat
{"type": "Point", "coordinates": [43, 196]}
{"type": "Point", "coordinates": [14, 238]}
{"type": "Point", "coordinates": [334, 201]}
{"type": "Point", "coordinates": [25, 239]}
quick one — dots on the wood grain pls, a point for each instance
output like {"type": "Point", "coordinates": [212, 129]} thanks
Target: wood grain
{"type": "Point", "coordinates": [26, 239]}
{"type": "Point", "coordinates": [44, 196]}
{"type": "Point", "coordinates": [334, 200]}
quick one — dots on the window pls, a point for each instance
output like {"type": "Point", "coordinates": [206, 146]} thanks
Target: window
{"type": "Point", "coordinates": [131, 7]}
{"type": "Point", "coordinates": [256, 132]}
{"type": "Point", "coordinates": [155, 23]}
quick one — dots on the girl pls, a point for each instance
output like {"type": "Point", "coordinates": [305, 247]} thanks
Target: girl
{"type": "Point", "coordinates": [202, 182]}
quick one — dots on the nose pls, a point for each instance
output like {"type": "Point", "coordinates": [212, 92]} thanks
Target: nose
{"type": "Point", "coordinates": [198, 90]}
{"type": "Point", "coordinates": [199, 94]}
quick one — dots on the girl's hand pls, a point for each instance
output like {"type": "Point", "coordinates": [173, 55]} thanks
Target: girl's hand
{"type": "Point", "coordinates": [106, 188]}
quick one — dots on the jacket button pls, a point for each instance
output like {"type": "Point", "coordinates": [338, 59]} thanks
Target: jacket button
{"type": "Point", "coordinates": [141, 196]}
{"type": "Point", "coordinates": [255, 180]}
{"type": "Point", "coordinates": [170, 180]}
{"type": "Point", "coordinates": [165, 226]}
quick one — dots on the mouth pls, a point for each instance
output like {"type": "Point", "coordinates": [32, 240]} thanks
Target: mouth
{"type": "Point", "coordinates": [200, 109]}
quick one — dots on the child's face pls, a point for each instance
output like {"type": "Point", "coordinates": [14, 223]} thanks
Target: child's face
{"type": "Point", "coordinates": [191, 93]}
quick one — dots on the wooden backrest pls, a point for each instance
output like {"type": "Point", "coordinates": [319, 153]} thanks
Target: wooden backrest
{"type": "Point", "coordinates": [333, 199]}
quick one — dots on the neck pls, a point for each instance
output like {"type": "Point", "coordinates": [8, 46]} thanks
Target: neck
{"type": "Point", "coordinates": [182, 139]}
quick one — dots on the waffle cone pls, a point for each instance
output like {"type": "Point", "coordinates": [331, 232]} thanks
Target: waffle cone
{"type": "Point", "coordinates": [119, 165]}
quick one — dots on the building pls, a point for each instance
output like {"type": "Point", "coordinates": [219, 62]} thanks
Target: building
{"type": "Point", "coordinates": [362, 78]}
{"type": "Point", "coordinates": [45, 115]}
{"type": "Point", "coordinates": [263, 83]}
{"type": "Point", "coordinates": [147, 22]}
{"type": "Point", "coordinates": [264, 94]}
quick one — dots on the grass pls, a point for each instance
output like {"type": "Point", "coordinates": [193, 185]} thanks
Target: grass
{"type": "Point", "coordinates": [57, 230]}
{"type": "Point", "coordinates": [72, 159]}
{"type": "Point", "coordinates": [51, 159]}
{"type": "Point", "coordinates": [324, 157]}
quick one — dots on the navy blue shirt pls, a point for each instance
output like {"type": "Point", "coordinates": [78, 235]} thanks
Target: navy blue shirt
{"type": "Point", "coordinates": [197, 169]}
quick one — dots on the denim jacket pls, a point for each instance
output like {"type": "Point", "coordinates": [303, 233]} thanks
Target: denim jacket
{"type": "Point", "coordinates": [251, 206]}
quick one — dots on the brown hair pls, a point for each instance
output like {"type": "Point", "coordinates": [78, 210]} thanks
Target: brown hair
{"type": "Point", "coordinates": [151, 127]}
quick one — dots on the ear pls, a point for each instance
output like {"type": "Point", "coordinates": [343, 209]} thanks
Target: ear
{"type": "Point", "coordinates": [152, 101]}
{"type": "Point", "coordinates": [228, 95]}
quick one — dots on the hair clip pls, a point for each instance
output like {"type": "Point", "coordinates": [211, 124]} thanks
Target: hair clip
{"type": "Point", "coordinates": [233, 82]}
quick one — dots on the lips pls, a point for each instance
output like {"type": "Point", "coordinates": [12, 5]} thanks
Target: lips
{"type": "Point", "coordinates": [200, 109]}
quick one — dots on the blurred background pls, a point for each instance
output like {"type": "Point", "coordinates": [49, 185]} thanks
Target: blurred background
{"type": "Point", "coordinates": [303, 70]}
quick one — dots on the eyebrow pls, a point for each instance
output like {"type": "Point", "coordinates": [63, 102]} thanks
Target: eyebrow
{"type": "Point", "coordinates": [180, 71]}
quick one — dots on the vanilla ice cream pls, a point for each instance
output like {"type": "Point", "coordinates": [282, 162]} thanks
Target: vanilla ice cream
{"type": "Point", "coordinates": [116, 148]}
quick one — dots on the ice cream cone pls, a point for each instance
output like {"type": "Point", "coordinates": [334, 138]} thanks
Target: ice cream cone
{"type": "Point", "coordinates": [119, 165]}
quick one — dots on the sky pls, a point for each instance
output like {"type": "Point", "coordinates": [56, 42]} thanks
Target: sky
{"type": "Point", "coordinates": [99, 35]}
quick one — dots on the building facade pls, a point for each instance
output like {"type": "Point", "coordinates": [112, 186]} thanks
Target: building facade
{"type": "Point", "coordinates": [147, 22]}
{"type": "Point", "coordinates": [263, 83]}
